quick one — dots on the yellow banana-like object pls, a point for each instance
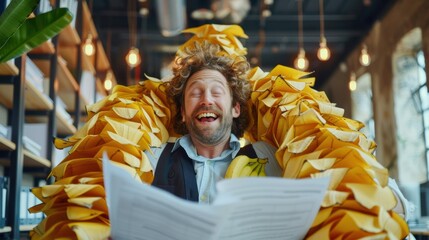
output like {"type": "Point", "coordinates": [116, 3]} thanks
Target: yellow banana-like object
{"type": "Point", "coordinates": [255, 172]}
{"type": "Point", "coordinates": [245, 172]}
{"type": "Point", "coordinates": [243, 166]}
{"type": "Point", "coordinates": [262, 173]}
{"type": "Point", "coordinates": [235, 167]}
{"type": "Point", "coordinates": [260, 170]}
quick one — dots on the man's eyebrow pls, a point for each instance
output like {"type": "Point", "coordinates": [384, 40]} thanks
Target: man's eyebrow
{"type": "Point", "coordinates": [198, 80]}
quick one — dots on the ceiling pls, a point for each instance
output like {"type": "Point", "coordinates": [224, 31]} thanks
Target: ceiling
{"type": "Point", "coordinates": [346, 23]}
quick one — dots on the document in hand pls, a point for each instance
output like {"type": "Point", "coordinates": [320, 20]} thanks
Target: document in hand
{"type": "Point", "coordinates": [245, 208]}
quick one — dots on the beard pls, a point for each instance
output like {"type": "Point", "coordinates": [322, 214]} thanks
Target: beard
{"type": "Point", "coordinates": [211, 135]}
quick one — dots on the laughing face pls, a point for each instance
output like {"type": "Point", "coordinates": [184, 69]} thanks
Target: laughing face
{"type": "Point", "coordinates": [207, 110]}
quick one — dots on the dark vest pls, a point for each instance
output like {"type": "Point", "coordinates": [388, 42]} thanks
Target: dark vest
{"type": "Point", "coordinates": [175, 171]}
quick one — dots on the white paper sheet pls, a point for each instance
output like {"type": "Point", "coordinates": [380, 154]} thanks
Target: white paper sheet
{"type": "Point", "coordinates": [245, 208]}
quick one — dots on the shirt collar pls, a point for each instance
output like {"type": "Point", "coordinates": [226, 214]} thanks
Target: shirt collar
{"type": "Point", "coordinates": [186, 143]}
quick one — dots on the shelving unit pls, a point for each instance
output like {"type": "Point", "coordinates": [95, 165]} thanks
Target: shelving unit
{"type": "Point", "coordinates": [34, 99]}
{"type": "Point", "coordinates": [61, 60]}
{"type": "Point", "coordinates": [9, 69]}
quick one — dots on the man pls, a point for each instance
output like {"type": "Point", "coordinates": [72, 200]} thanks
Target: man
{"type": "Point", "coordinates": [210, 93]}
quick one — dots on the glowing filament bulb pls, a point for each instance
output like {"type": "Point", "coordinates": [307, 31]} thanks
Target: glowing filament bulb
{"type": "Point", "coordinates": [133, 57]}
{"type": "Point", "coordinates": [301, 62]}
{"type": "Point", "coordinates": [352, 83]}
{"type": "Point", "coordinates": [364, 58]}
{"type": "Point", "coordinates": [323, 53]}
{"type": "Point", "coordinates": [108, 84]}
{"type": "Point", "coordinates": [88, 46]}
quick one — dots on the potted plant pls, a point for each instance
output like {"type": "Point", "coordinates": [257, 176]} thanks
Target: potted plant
{"type": "Point", "coordinates": [19, 33]}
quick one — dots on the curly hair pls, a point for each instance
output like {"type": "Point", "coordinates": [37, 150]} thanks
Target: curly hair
{"type": "Point", "coordinates": [209, 56]}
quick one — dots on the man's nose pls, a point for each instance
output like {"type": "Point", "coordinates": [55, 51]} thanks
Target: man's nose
{"type": "Point", "coordinates": [207, 99]}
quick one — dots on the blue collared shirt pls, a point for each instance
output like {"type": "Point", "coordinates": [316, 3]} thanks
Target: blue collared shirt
{"type": "Point", "coordinates": [210, 170]}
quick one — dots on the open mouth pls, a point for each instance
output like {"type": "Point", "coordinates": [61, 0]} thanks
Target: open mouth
{"type": "Point", "coordinates": [207, 117]}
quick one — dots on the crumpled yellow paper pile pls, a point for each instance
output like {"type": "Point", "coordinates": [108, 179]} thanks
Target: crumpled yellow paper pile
{"type": "Point", "coordinates": [315, 140]}
{"type": "Point", "coordinates": [312, 138]}
{"type": "Point", "coordinates": [226, 36]}
{"type": "Point", "coordinates": [124, 125]}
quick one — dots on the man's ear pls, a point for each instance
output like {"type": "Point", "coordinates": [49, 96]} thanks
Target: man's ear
{"type": "Point", "coordinates": [182, 111]}
{"type": "Point", "coordinates": [236, 111]}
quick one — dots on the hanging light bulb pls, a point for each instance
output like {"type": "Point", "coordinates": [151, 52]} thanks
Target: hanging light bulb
{"type": "Point", "coordinates": [352, 82]}
{"type": "Point", "coordinates": [88, 46]}
{"type": "Point", "coordinates": [323, 53]}
{"type": "Point", "coordinates": [108, 84]}
{"type": "Point", "coordinates": [301, 62]}
{"type": "Point", "coordinates": [133, 57]}
{"type": "Point", "coordinates": [364, 57]}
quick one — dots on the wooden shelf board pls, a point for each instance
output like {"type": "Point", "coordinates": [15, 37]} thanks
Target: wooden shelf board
{"type": "Point", "coordinates": [68, 37]}
{"type": "Point", "coordinates": [32, 160]}
{"type": "Point", "coordinates": [43, 65]}
{"type": "Point", "coordinates": [64, 127]}
{"type": "Point", "coordinates": [69, 100]}
{"type": "Point", "coordinates": [45, 48]}
{"type": "Point", "coordinates": [5, 229]}
{"type": "Point", "coordinates": [26, 228]}
{"type": "Point", "coordinates": [67, 81]}
{"type": "Point", "coordinates": [70, 55]}
{"type": "Point", "coordinates": [112, 77]}
{"type": "Point", "coordinates": [88, 23]}
{"type": "Point", "coordinates": [100, 87]}
{"type": "Point", "coordinates": [102, 64]}
{"type": "Point", "coordinates": [6, 144]}
{"type": "Point", "coordinates": [34, 99]}
{"type": "Point", "coordinates": [8, 68]}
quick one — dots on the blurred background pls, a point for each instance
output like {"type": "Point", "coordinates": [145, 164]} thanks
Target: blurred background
{"type": "Point", "coordinates": [277, 30]}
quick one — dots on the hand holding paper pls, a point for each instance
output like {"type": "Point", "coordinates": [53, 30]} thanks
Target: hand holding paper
{"type": "Point", "coordinates": [245, 208]}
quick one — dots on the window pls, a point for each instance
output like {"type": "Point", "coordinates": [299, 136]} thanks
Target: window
{"type": "Point", "coordinates": [362, 109]}
{"type": "Point", "coordinates": [421, 98]}
{"type": "Point", "coordinates": [411, 109]}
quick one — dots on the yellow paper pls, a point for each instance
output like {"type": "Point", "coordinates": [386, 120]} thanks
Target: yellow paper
{"type": "Point", "coordinates": [373, 195]}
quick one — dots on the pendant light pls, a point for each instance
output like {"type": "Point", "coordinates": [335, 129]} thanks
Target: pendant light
{"type": "Point", "coordinates": [108, 84]}
{"type": "Point", "coordinates": [88, 46]}
{"type": "Point", "coordinates": [132, 58]}
{"type": "Point", "coordinates": [323, 53]}
{"type": "Point", "coordinates": [352, 82]}
{"type": "Point", "coordinates": [364, 58]}
{"type": "Point", "coordinates": [301, 62]}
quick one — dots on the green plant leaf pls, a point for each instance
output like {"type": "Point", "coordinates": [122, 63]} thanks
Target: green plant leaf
{"type": "Point", "coordinates": [34, 32]}
{"type": "Point", "coordinates": [13, 16]}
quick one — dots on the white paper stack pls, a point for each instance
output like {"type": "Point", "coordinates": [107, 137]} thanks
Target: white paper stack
{"type": "Point", "coordinates": [31, 145]}
{"type": "Point", "coordinates": [61, 109]}
{"type": "Point", "coordinates": [34, 75]}
{"type": "Point", "coordinates": [87, 86]}
{"type": "Point", "coordinates": [36, 134]}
